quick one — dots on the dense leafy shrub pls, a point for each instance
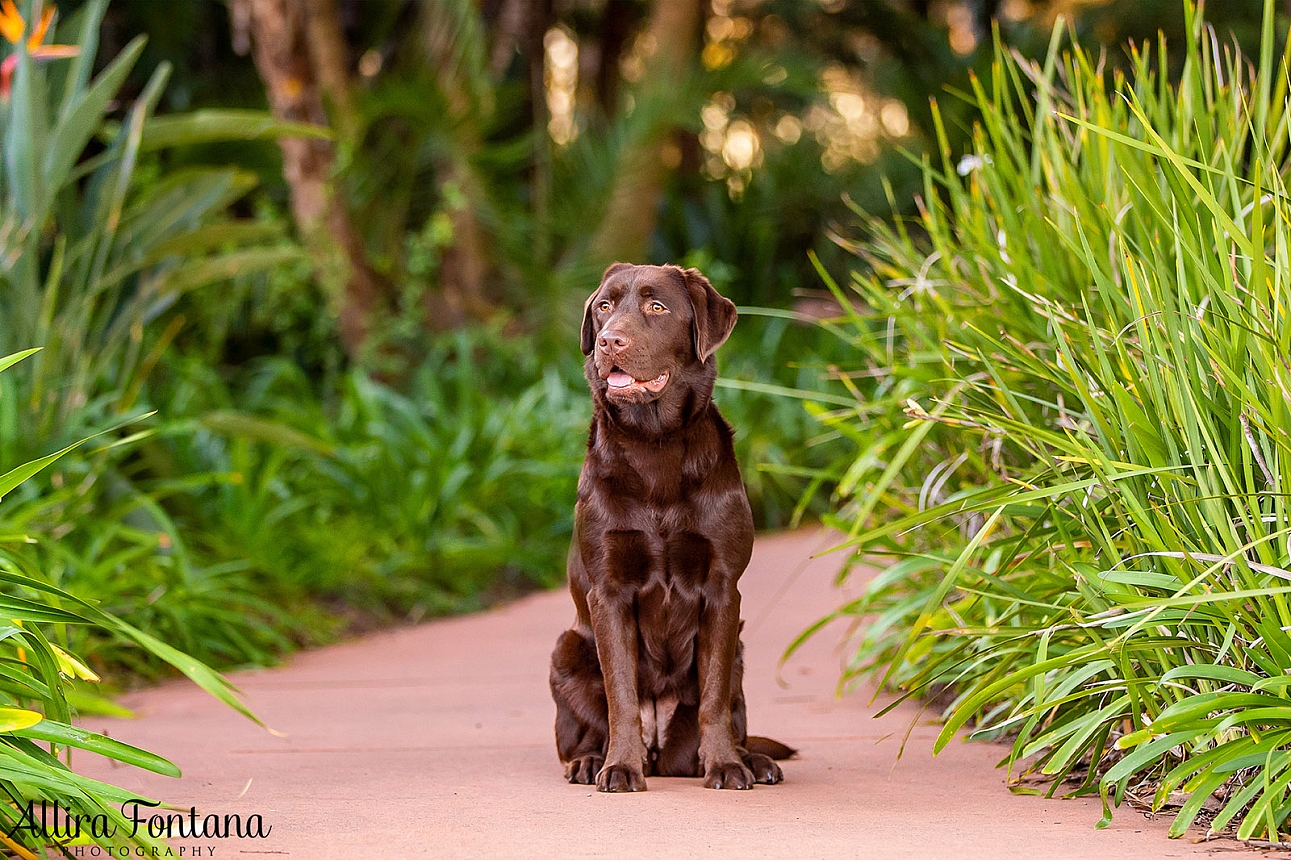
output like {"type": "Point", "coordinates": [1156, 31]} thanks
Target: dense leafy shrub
{"type": "Point", "coordinates": [413, 501]}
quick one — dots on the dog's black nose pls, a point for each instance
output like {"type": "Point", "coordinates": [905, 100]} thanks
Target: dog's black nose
{"type": "Point", "coordinates": [612, 341]}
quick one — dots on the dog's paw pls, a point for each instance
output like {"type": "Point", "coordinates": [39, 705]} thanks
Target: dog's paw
{"type": "Point", "coordinates": [728, 775]}
{"type": "Point", "coordinates": [765, 770]}
{"type": "Point", "coordinates": [620, 777]}
{"type": "Point", "coordinates": [583, 770]}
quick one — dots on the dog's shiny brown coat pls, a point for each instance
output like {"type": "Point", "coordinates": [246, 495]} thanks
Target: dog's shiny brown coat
{"type": "Point", "coordinates": [649, 679]}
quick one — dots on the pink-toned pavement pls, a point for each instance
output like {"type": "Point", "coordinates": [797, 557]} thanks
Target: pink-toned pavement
{"type": "Point", "coordinates": [436, 741]}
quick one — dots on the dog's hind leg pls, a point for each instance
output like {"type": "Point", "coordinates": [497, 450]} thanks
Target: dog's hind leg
{"type": "Point", "coordinates": [582, 715]}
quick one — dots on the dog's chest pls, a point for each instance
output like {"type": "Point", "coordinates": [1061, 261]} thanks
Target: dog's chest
{"type": "Point", "coordinates": [668, 606]}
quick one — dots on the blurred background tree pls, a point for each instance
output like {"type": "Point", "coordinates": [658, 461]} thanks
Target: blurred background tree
{"type": "Point", "coordinates": [491, 156]}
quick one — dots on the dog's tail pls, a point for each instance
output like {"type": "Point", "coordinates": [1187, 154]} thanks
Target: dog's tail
{"type": "Point", "coordinates": [769, 748]}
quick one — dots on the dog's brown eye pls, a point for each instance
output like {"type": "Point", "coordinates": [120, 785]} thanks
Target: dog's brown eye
{"type": "Point", "coordinates": [657, 307]}
{"type": "Point", "coordinates": [603, 306]}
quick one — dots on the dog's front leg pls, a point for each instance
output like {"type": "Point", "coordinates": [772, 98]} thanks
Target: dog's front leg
{"type": "Point", "coordinates": [614, 624]}
{"type": "Point", "coordinates": [719, 632]}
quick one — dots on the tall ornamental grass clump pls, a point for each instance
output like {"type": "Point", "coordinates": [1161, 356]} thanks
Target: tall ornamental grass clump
{"type": "Point", "coordinates": [1082, 472]}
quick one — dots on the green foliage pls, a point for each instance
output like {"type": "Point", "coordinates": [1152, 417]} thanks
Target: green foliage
{"type": "Point", "coordinates": [254, 504]}
{"type": "Point", "coordinates": [97, 241]}
{"type": "Point", "coordinates": [413, 501]}
{"type": "Point", "coordinates": [122, 544]}
{"type": "Point", "coordinates": [1087, 333]}
{"type": "Point", "coordinates": [88, 253]}
{"type": "Point", "coordinates": [781, 448]}
{"type": "Point", "coordinates": [41, 687]}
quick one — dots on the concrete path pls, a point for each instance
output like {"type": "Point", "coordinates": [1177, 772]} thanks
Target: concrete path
{"type": "Point", "coordinates": [436, 741]}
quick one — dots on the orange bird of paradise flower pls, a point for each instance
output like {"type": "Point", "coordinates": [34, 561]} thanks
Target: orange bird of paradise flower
{"type": "Point", "coordinates": [12, 27]}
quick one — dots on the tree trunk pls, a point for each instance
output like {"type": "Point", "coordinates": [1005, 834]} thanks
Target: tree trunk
{"type": "Point", "coordinates": [331, 62]}
{"type": "Point", "coordinates": [464, 268]}
{"type": "Point", "coordinates": [456, 47]}
{"type": "Point", "coordinates": [617, 24]}
{"type": "Point", "coordinates": [509, 36]}
{"type": "Point", "coordinates": [674, 28]}
{"type": "Point", "coordinates": [298, 51]}
{"type": "Point", "coordinates": [541, 13]}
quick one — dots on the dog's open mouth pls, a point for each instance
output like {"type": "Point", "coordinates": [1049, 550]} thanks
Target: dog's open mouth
{"type": "Point", "coordinates": [621, 382]}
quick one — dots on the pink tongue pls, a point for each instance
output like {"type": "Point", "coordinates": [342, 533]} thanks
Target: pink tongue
{"type": "Point", "coordinates": [619, 379]}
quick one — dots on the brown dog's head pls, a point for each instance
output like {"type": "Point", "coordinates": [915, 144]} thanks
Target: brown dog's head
{"type": "Point", "coordinates": [650, 333]}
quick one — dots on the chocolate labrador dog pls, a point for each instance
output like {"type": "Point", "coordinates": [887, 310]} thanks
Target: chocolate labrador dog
{"type": "Point", "coordinates": [649, 679]}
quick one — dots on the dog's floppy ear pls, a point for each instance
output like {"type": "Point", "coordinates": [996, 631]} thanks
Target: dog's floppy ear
{"type": "Point", "coordinates": [714, 314]}
{"type": "Point", "coordinates": [589, 328]}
